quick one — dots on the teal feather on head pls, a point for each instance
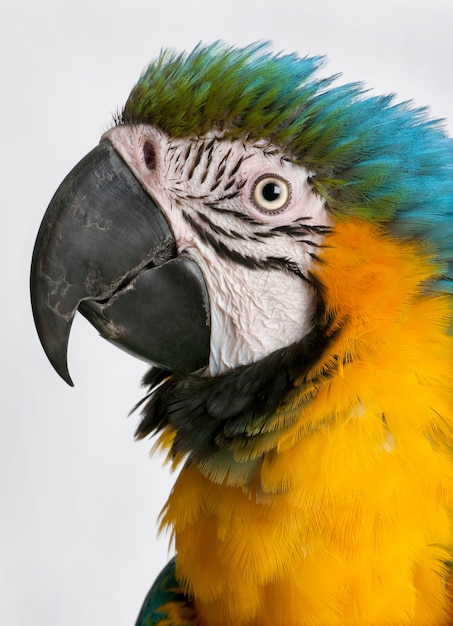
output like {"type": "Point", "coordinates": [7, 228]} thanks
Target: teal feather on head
{"type": "Point", "coordinates": [388, 163]}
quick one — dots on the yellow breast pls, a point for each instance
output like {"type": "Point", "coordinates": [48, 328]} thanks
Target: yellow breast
{"type": "Point", "coordinates": [349, 518]}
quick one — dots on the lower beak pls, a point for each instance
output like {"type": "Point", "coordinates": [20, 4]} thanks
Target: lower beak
{"type": "Point", "coordinates": [105, 248]}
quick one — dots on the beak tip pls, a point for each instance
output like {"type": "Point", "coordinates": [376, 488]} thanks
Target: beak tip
{"type": "Point", "coordinates": [53, 332]}
{"type": "Point", "coordinates": [59, 363]}
{"type": "Point", "coordinates": [67, 378]}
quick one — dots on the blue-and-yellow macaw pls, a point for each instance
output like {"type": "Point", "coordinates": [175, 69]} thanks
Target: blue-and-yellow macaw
{"type": "Point", "coordinates": [280, 248]}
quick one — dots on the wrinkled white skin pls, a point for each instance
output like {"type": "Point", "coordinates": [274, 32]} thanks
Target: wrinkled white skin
{"type": "Point", "coordinates": [253, 311]}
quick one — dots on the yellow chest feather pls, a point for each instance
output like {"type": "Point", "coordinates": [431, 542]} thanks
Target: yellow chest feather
{"type": "Point", "coordinates": [349, 518]}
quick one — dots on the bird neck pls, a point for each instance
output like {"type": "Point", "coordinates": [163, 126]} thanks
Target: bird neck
{"type": "Point", "coordinates": [352, 501]}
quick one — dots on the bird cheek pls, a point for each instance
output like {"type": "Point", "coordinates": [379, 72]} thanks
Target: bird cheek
{"type": "Point", "coordinates": [186, 240]}
{"type": "Point", "coordinates": [186, 243]}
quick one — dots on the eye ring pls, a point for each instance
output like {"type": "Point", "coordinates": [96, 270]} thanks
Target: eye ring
{"type": "Point", "coordinates": [271, 194]}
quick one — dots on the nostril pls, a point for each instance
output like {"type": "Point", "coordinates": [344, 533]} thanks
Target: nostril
{"type": "Point", "coordinates": [149, 155]}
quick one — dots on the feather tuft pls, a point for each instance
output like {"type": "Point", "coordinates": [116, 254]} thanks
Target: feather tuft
{"type": "Point", "coordinates": [388, 163]}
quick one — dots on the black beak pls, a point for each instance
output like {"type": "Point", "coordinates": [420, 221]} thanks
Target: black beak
{"type": "Point", "coordinates": [104, 248]}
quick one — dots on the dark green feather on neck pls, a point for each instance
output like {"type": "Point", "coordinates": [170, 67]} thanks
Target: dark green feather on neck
{"type": "Point", "coordinates": [166, 602]}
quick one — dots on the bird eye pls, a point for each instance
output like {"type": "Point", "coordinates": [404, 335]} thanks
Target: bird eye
{"type": "Point", "coordinates": [271, 194]}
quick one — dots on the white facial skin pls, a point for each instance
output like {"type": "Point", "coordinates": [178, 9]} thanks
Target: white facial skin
{"type": "Point", "coordinates": [225, 201]}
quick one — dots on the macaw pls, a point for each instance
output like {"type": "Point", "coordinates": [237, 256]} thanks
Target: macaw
{"type": "Point", "coordinates": [280, 248]}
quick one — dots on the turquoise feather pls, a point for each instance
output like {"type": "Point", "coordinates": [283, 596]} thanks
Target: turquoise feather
{"type": "Point", "coordinates": [164, 592]}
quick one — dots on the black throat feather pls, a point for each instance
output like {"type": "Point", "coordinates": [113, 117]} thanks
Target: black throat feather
{"type": "Point", "coordinates": [213, 413]}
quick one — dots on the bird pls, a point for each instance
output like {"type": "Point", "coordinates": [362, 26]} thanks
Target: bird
{"type": "Point", "coordinates": [278, 246]}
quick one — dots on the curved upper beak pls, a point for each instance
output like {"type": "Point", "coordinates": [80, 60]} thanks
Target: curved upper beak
{"type": "Point", "coordinates": [105, 248]}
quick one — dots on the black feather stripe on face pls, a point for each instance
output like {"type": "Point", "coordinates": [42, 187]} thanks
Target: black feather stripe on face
{"type": "Point", "coordinates": [212, 213]}
{"type": "Point", "coordinates": [266, 263]}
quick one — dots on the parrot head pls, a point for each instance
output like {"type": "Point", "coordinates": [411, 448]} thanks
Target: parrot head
{"type": "Point", "coordinates": [194, 235]}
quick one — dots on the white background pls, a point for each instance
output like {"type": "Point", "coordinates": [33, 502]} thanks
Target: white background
{"type": "Point", "coordinates": [78, 497]}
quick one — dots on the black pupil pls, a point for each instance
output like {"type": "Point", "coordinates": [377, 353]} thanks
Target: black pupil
{"type": "Point", "coordinates": [271, 192]}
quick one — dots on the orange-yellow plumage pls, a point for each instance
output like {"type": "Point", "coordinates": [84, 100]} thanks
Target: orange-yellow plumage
{"type": "Point", "coordinates": [279, 248]}
{"type": "Point", "coordinates": [348, 518]}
